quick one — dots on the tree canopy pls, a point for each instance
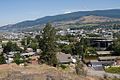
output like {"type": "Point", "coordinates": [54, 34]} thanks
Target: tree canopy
{"type": "Point", "coordinates": [10, 46]}
{"type": "Point", "coordinates": [48, 45]}
{"type": "Point", "coordinates": [2, 59]}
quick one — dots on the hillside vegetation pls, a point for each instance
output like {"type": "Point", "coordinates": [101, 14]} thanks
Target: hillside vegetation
{"type": "Point", "coordinates": [80, 17]}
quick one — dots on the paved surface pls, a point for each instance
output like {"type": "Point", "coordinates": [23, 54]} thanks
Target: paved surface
{"type": "Point", "coordinates": [103, 74]}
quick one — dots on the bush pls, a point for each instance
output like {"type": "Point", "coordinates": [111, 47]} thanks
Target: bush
{"type": "Point", "coordinates": [113, 70]}
{"type": "Point", "coordinates": [63, 66]}
{"type": "Point", "coordinates": [18, 59]}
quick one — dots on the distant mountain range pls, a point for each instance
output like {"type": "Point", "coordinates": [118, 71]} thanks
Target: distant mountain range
{"type": "Point", "coordinates": [96, 16]}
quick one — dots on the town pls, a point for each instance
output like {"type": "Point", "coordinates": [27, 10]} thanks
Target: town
{"type": "Point", "coordinates": [96, 50]}
{"type": "Point", "coordinates": [59, 39]}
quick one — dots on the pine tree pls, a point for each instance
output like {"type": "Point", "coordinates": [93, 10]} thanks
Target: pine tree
{"type": "Point", "coordinates": [48, 45]}
{"type": "Point", "coordinates": [2, 59]}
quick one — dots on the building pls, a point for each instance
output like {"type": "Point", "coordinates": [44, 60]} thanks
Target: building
{"type": "Point", "coordinates": [105, 53]}
{"type": "Point", "coordinates": [96, 65]}
{"type": "Point", "coordinates": [64, 58]}
{"type": "Point", "coordinates": [100, 65]}
{"type": "Point", "coordinates": [100, 43]}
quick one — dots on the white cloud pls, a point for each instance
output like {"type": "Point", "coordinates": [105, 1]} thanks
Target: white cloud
{"type": "Point", "coordinates": [68, 12]}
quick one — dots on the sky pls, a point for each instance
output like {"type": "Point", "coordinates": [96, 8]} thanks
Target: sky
{"type": "Point", "coordinates": [13, 11]}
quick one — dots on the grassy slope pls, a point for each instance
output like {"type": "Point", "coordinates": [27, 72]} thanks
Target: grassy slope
{"type": "Point", "coordinates": [37, 72]}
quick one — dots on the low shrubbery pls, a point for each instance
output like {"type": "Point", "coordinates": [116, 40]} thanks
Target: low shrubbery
{"type": "Point", "coordinates": [63, 66]}
{"type": "Point", "coordinates": [113, 70]}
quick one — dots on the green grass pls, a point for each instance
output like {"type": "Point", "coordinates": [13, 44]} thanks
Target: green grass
{"type": "Point", "coordinates": [63, 66]}
{"type": "Point", "coordinates": [116, 79]}
{"type": "Point", "coordinates": [91, 57]}
{"type": "Point", "coordinates": [113, 70]}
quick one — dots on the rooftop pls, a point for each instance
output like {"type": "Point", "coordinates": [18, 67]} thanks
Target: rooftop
{"type": "Point", "coordinates": [104, 52]}
{"type": "Point", "coordinates": [64, 58]}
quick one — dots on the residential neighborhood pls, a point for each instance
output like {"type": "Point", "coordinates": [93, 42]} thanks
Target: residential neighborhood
{"type": "Point", "coordinates": [96, 53]}
{"type": "Point", "coordinates": [60, 40]}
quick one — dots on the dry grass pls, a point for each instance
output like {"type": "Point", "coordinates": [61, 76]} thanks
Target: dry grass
{"type": "Point", "coordinates": [37, 72]}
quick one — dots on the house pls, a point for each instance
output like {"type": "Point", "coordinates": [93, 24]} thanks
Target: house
{"type": "Point", "coordinates": [29, 50]}
{"type": "Point", "coordinates": [63, 42]}
{"type": "Point", "coordinates": [100, 43]}
{"type": "Point", "coordinates": [11, 54]}
{"type": "Point", "coordinates": [99, 65]}
{"type": "Point", "coordinates": [96, 65]}
{"type": "Point", "coordinates": [38, 51]}
{"type": "Point", "coordinates": [9, 60]}
{"type": "Point", "coordinates": [64, 58]}
{"type": "Point", "coordinates": [5, 41]}
{"type": "Point", "coordinates": [28, 54]}
{"type": "Point", "coordinates": [9, 57]}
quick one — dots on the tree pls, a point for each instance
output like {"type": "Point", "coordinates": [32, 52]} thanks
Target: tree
{"type": "Point", "coordinates": [79, 67]}
{"type": "Point", "coordinates": [11, 47]}
{"type": "Point", "coordinates": [33, 45]}
{"type": "Point", "coordinates": [37, 37]}
{"type": "Point", "coordinates": [48, 45]}
{"type": "Point", "coordinates": [26, 41]}
{"type": "Point", "coordinates": [2, 59]}
{"type": "Point", "coordinates": [116, 46]}
{"type": "Point", "coordinates": [90, 50]}
{"type": "Point", "coordinates": [30, 42]}
{"type": "Point", "coordinates": [67, 49]}
{"type": "Point", "coordinates": [18, 59]}
{"type": "Point", "coordinates": [83, 48]}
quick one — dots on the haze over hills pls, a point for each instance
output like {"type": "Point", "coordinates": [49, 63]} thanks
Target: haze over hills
{"type": "Point", "coordinates": [97, 16]}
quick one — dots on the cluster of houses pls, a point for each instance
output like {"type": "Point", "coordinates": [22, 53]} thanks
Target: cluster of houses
{"type": "Point", "coordinates": [28, 55]}
{"type": "Point", "coordinates": [106, 33]}
{"type": "Point", "coordinates": [34, 56]}
{"type": "Point", "coordinates": [104, 58]}
{"type": "Point", "coordinates": [17, 35]}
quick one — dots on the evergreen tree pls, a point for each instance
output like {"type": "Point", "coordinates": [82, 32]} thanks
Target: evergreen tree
{"type": "Point", "coordinates": [116, 46]}
{"type": "Point", "coordinates": [11, 47]}
{"type": "Point", "coordinates": [2, 59]}
{"type": "Point", "coordinates": [48, 45]}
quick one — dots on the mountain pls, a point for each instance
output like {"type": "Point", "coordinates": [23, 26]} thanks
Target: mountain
{"type": "Point", "coordinates": [80, 16]}
{"type": "Point", "coordinates": [97, 19]}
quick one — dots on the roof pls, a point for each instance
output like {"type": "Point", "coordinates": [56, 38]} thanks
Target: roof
{"type": "Point", "coordinates": [107, 62]}
{"type": "Point", "coordinates": [28, 54]}
{"type": "Point", "coordinates": [96, 62]}
{"type": "Point", "coordinates": [98, 65]}
{"type": "Point", "coordinates": [98, 68]}
{"type": "Point", "coordinates": [104, 40]}
{"type": "Point", "coordinates": [64, 58]}
{"type": "Point", "coordinates": [103, 52]}
{"type": "Point", "coordinates": [109, 58]}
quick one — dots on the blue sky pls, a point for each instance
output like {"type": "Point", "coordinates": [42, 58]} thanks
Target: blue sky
{"type": "Point", "coordinates": [13, 11]}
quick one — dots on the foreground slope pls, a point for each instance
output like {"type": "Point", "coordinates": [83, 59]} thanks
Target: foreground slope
{"type": "Point", "coordinates": [38, 72]}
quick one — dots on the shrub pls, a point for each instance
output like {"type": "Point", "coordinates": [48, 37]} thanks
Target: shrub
{"type": "Point", "coordinates": [63, 66]}
{"type": "Point", "coordinates": [113, 70]}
